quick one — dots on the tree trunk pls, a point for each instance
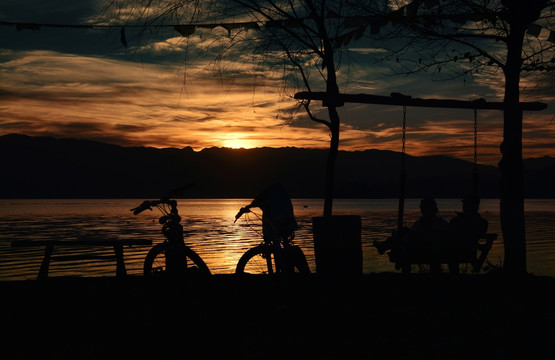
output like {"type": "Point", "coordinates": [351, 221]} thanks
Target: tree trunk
{"type": "Point", "coordinates": [332, 157]}
{"type": "Point", "coordinates": [512, 182]}
{"type": "Point", "coordinates": [332, 92]}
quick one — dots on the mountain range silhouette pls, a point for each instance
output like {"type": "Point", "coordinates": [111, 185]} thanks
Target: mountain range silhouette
{"type": "Point", "coordinates": [45, 167]}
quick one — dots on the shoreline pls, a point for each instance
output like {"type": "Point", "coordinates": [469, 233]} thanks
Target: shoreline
{"type": "Point", "coordinates": [386, 315]}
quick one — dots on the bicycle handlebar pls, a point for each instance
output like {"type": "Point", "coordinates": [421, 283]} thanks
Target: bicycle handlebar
{"type": "Point", "coordinates": [243, 210]}
{"type": "Point", "coordinates": [148, 204]}
{"type": "Point", "coordinates": [144, 206]}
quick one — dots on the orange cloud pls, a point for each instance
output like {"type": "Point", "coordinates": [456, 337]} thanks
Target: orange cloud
{"type": "Point", "coordinates": [161, 105]}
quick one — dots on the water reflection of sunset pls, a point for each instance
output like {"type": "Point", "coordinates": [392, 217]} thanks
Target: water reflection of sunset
{"type": "Point", "coordinates": [220, 242]}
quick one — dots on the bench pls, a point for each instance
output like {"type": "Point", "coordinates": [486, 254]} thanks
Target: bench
{"type": "Point", "coordinates": [117, 245]}
{"type": "Point", "coordinates": [419, 256]}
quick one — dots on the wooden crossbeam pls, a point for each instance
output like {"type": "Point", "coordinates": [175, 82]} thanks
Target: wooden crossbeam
{"type": "Point", "coordinates": [405, 100]}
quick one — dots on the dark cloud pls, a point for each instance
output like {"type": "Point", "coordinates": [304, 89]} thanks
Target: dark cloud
{"type": "Point", "coordinates": [236, 129]}
{"type": "Point", "coordinates": [131, 128]}
{"type": "Point", "coordinates": [51, 11]}
{"type": "Point", "coordinates": [15, 125]}
{"type": "Point", "coordinates": [105, 42]}
{"type": "Point", "coordinates": [60, 96]}
{"type": "Point", "coordinates": [200, 117]}
{"type": "Point", "coordinates": [120, 134]}
{"type": "Point", "coordinates": [84, 83]}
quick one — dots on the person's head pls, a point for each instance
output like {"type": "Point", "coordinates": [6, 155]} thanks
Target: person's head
{"type": "Point", "coordinates": [428, 206]}
{"type": "Point", "coordinates": [471, 204]}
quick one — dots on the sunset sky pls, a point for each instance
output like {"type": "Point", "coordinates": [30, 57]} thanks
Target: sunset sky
{"type": "Point", "coordinates": [164, 90]}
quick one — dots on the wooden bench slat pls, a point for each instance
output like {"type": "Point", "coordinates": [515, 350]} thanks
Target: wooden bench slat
{"type": "Point", "coordinates": [420, 258]}
{"type": "Point", "coordinates": [80, 242]}
{"type": "Point", "coordinates": [82, 257]}
{"type": "Point", "coordinates": [116, 244]}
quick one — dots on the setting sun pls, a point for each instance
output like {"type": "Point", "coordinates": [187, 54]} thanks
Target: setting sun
{"type": "Point", "coordinates": [239, 143]}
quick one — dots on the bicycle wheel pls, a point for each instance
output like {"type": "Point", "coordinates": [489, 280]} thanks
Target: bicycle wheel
{"type": "Point", "coordinates": [261, 260]}
{"type": "Point", "coordinates": [298, 259]}
{"type": "Point", "coordinates": [258, 260]}
{"type": "Point", "coordinates": [155, 261]}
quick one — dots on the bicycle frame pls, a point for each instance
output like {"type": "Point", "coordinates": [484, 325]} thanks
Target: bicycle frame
{"type": "Point", "coordinates": [172, 255]}
{"type": "Point", "coordinates": [286, 257]}
{"type": "Point", "coordinates": [171, 221]}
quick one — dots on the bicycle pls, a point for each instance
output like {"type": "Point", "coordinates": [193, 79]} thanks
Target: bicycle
{"type": "Point", "coordinates": [172, 256]}
{"type": "Point", "coordinates": [276, 254]}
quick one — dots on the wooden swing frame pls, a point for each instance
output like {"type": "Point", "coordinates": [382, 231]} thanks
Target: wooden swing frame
{"type": "Point", "coordinates": [406, 100]}
{"type": "Point", "coordinates": [398, 99]}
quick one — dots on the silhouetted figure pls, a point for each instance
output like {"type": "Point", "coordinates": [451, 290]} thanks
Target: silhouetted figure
{"type": "Point", "coordinates": [278, 230]}
{"type": "Point", "coordinates": [393, 243]}
{"type": "Point", "coordinates": [278, 219]}
{"type": "Point", "coordinates": [466, 229]}
{"type": "Point", "coordinates": [428, 235]}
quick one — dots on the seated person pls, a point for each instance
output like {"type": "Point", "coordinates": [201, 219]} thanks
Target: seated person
{"type": "Point", "coordinates": [428, 234]}
{"type": "Point", "coordinates": [430, 230]}
{"type": "Point", "coordinates": [466, 229]}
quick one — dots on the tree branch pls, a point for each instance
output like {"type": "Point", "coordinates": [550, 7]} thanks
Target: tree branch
{"type": "Point", "coordinates": [306, 105]}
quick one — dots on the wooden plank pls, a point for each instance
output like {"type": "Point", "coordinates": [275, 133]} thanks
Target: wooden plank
{"type": "Point", "coordinates": [117, 245]}
{"type": "Point", "coordinates": [405, 100]}
{"type": "Point", "coordinates": [82, 257]}
{"type": "Point", "coordinates": [80, 242]}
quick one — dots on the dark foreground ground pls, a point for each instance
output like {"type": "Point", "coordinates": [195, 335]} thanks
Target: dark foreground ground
{"type": "Point", "coordinates": [381, 316]}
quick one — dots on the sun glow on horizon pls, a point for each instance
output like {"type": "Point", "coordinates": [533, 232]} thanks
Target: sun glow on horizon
{"type": "Point", "coordinates": [238, 143]}
{"type": "Point", "coordinates": [160, 112]}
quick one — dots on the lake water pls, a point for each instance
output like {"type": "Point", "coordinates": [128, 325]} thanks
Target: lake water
{"type": "Point", "coordinates": [213, 235]}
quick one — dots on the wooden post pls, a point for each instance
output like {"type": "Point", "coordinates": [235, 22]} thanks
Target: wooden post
{"type": "Point", "coordinates": [120, 264]}
{"type": "Point", "coordinates": [45, 265]}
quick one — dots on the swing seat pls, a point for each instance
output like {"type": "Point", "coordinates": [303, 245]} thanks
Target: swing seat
{"type": "Point", "coordinates": [474, 255]}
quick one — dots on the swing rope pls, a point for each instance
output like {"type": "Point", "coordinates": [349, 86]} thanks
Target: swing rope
{"type": "Point", "coordinates": [475, 173]}
{"type": "Point", "coordinates": [403, 175]}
